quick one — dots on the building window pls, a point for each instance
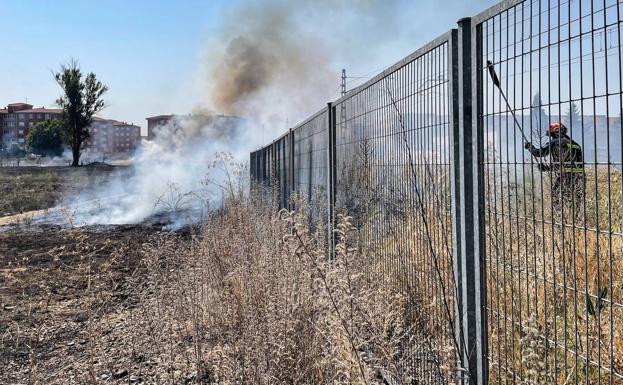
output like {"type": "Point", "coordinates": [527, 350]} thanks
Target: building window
{"type": "Point", "coordinates": [47, 116]}
{"type": "Point", "coordinates": [21, 124]}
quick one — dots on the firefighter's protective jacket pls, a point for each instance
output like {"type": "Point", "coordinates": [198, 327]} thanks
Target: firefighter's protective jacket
{"type": "Point", "coordinates": [566, 155]}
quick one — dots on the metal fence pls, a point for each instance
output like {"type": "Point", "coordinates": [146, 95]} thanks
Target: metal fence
{"type": "Point", "coordinates": [511, 239]}
{"type": "Point", "coordinates": [392, 164]}
{"type": "Point", "coordinates": [310, 160]}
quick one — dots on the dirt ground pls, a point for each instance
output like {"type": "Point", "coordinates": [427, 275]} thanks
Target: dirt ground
{"type": "Point", "coordinates": [62, 288]}
{"type": "Point", "coordinates": [57, 286]}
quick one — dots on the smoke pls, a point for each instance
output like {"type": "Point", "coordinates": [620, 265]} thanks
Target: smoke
{"type": "Point", "coordinates": [177, 174]}
{"type": "Point", "coordinates": [245, 70]}
{"type": "Point", "coordinates": [276, 62]}
{"type": "Point", "coordinates": [271, 63]}
{"type": "Point", "coordinates": [266, 64]}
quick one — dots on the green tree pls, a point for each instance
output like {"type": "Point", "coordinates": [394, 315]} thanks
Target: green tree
{"type": "Point", "coordinates": [81, 99]}
{"type": "Point", "coordinates": [46, 138]}
{"type": "Point", "coordinates": [573, 119]}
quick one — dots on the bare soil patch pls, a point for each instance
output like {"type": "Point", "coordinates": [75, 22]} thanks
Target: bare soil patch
{"type": "Point", "coordinates": [58, 286]}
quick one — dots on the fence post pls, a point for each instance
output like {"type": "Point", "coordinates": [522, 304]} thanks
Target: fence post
{"type": "Point", "coordinates": [331, 170]}
{"type": "Point", "coordinates": [453, 73]}
{"type": "Point", "coordinates": [251, 170]}
{"type": "Point", "coordinates": [291, 168]}
{"type": "Point", "coordinates": [274, 180]}
{"type": "Point", "coordinates": [470, 183]}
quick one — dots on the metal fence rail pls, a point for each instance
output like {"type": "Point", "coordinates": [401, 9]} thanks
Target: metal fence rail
{"type": "Point", "coordinates": [511, 239]}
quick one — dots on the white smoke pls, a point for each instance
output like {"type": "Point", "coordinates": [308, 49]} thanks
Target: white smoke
{"type": "Point", "coordinates": [177, 173]}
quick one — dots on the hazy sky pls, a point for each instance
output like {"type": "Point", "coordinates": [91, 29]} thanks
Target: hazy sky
{"type": "Point", "coordinates": [152, 54]}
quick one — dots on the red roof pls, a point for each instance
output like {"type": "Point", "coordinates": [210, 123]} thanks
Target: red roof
{"type": "Point", "coordinates": [4, 111]}
{"type": "Point", "coordinates": [42, 110]}
{"type": "Point", "coordinates": [160, 117]}
{"type": "Point", "coordinates": [113, 122]}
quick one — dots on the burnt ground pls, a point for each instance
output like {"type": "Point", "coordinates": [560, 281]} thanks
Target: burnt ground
{"type": "Point", "coordinates": [64, 290]}
{"type": "Point", "coordinates": [54, 285]}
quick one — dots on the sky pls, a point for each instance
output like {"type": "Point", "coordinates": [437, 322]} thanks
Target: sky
{"type": "Point", "coordinates": [152, 55]}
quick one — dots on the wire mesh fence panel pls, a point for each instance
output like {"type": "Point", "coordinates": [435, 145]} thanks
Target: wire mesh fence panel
{"type": "Point", "coordinates": [546, 175]}
{"type": "Point", "coordinates": [393, 174]}
{"type": "Point", "coordinates": [553, 191]}
{"type": "Point", "coordinates": [283, 173]}
{"type": "Point", "coordinates": [262, 174]}
{"type": "Point", "coordinates": [253, 167]}
{"type": "Point", "coordinates": [311, 162]}
{"type": "Point", "coordinates": [256, 167]}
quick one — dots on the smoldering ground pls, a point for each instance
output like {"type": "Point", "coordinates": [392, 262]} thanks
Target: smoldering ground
{"type": "Point", "coordinates": [179, 175]}
{"type": "Point", "coordinates": [180, 171]}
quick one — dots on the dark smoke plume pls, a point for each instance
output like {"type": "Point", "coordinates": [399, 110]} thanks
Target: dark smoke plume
{"type": "Point", "coordinates": [267, 64]}
{"type": "Point", "coordinates": [243, 70]}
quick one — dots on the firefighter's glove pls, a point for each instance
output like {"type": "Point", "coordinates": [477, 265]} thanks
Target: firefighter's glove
{"type": "Point", "coordinates": [527, 145]}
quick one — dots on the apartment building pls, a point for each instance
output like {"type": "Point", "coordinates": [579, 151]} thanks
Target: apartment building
{"type": "Point", "coordinates": [110, 136]}
{"type": "Point", "coordinates": [17, 118]}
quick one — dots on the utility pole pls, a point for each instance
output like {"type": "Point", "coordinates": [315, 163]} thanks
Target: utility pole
{"type": "Point", "coordinates": [343, 82]}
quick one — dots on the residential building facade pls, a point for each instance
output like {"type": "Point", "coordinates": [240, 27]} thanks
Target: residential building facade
{"type": "Point", "coordinates": [110, 136]}
{"type": "Point", "coordinates": [154, 122]}
{"type": "Point", "coordinates": [226, 125]}
{"type": "Point", "coordinates": [17, 119]}
{"type": "Point", "coordinates": [106, 135]}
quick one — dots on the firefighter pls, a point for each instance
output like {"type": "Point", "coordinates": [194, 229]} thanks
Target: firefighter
{"type": "Point", "coordinates": [566, 165]}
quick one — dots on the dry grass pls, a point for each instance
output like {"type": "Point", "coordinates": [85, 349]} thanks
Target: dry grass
{"type": "Point", "coordinates": [24, 189]}
{"type": "Point", "coordinates": [27, 191]}
{"type": "Point", "coordinates": [555, 285]}
{"type": "Point", "coordinates": [409, 248]}
{"type": "Point", "coordinates": [419, 264]}
{"type": "Point", "coordinates": [256, 301]}
{"type": "Point", "coordinates": [251, 298]}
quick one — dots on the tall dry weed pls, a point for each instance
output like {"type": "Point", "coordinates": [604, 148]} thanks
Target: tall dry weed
{"type": "Point", "coordinates": [255, 300]}
{"type": "Point", "coordinates": [555, 281]}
